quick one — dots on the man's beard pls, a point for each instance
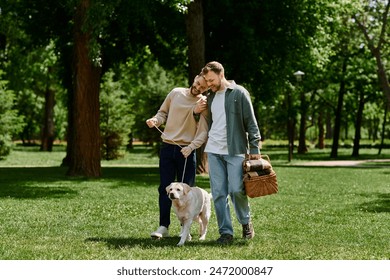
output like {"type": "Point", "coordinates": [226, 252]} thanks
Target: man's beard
{"type": "Point", "coordinates": [194, 91]}
{"type": "Point", "coordinates": [217, 88]}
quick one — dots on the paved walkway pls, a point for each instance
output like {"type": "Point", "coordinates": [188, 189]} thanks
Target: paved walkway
{"type": "Point", "coordinates": [342, 162]}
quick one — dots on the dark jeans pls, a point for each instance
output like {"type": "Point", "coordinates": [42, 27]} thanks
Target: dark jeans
{"type": "Point", "coordinates": [171, 165]}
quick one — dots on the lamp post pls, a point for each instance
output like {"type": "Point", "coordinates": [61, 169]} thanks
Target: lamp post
{"type": "Point", "coordinates": [290, 125]}
{"type": "Point", "coordinates": [302, 149]}
{"type": "Point", "coordinates": [299, 75]}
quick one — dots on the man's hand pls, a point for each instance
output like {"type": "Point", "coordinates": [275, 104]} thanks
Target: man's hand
{"type": "Point", "coordinates": [186, 151]}
{"type": "Point", "coordinates": [201, 105]}
{"type": "Point", "coordinates": [151, 122]}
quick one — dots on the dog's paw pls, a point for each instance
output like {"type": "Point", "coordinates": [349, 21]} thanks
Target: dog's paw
{"type": "Point", "coordinates": [189, 237]}
{"type": "Point", "coordinates": [203, 237]}
{"type": "Point", "coordinates": [180, 244]}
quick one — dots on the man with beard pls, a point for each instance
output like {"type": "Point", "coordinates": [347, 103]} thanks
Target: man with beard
{"type": "Point", "coordinates": [185, 130]}
{"type": "Point", "coordinates": [233, 132]}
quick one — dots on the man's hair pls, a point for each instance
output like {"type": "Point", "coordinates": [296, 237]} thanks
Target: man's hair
{"type": "Point", "coordinates": [214, 66]}
{"type": "Point", "coordinates": [198, 76]}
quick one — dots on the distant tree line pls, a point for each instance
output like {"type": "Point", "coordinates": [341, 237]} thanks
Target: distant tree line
{"type": "Point", "coordinates": [89, 72]}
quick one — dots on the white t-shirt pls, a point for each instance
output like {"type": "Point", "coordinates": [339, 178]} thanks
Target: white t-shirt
{"type": "Point", "coordinates": [217, 142]}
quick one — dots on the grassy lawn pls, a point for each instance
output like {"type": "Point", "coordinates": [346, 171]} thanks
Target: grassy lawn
{"type": "Point", "coordinates": [325, 213]}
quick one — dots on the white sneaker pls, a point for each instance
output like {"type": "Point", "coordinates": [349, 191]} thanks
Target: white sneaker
{"type": "Point", "coordinates": [160, 232]}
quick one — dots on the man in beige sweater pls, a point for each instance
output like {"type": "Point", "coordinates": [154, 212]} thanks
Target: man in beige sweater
{"type": "Point", "coordinates": [185, 130]}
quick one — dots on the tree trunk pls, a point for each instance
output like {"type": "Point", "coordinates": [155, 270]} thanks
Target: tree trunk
{"type": "Point", "coordinates": [328, 125]}
{"type": "Point", "coordinates": [358, 126]}
{"type": "Point", "coordinates": [383, 130]}
{"type": "Point", "coordinates": [382, 76]}
{"type": "Point", "coordinates": [302, 149]}
{"type": "Point", "coordinates": [290, 125]}
{"type": "Point", "coordinates": [67, 79]}
{"type": "Point", "coordinates": [321, 131]}
{"type": "Point", "coordinates": [337, 125]}
{"type": "Point", "coordinates": [48, 122]}
{"type": "Point", "coordinates": [196, 59]}
{"type": "Point", "coordinates": [69, 130]}
{"type": "Point", "coordinates": [85, 139]}
{"type": "Point", "coordinates": [195, 38]}
{"type": "Point", "coordinates": [376, 50]}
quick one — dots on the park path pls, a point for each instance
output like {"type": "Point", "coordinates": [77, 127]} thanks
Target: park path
{"type": "Point", "coordinates": [342, 162]}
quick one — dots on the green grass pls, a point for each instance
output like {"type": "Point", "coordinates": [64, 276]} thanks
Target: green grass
{"type": "Point", "coordinates": [339, 213]}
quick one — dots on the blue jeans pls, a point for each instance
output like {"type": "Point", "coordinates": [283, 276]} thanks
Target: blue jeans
{"type": "Point", "coordinates": [172, 164]}
{"type": "Point", "coordinates": [226, 174]}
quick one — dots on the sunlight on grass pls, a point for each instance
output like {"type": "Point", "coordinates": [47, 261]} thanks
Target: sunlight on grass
{"type": "Point", "coordinates": [319, 213]}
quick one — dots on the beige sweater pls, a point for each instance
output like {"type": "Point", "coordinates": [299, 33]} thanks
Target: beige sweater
{"type": "Point", "coordinates": [181, 127]}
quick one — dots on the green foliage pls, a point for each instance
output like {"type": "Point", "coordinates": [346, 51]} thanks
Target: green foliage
{"type": "Point", "coordinates": [115, 116]}
{"type": "Point", "coordinates": [10, 123]}
{"type": "Point", "coordinates": [31, 74]}
{"type": "Point", "coordinates": [130, 94]}
{"type": "Point", "coordinates": [122, 29]}
{"type": "Point", "coordinates": [148, 84]}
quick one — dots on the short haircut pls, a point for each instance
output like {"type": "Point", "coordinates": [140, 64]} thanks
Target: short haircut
{"type": "Point", "coordinates": [214, 66]}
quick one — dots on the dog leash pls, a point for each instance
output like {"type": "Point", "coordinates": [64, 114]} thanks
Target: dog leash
{"type": "Point", "coordinates": [185, 162]}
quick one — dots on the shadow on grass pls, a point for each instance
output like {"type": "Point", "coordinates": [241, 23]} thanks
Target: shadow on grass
{"type": "Point", "coordinates": [51, 174]}
{"type": "Point", "coordinates": [52, 182]}
{"type": "Point", "coordinates": [148, 243]}
{"type": "Point", "coordinates": [22, 183]}
{"type": "Point", "coordinates": [23, 192]}
{"type": "Point", "coordinates": [381, 204]}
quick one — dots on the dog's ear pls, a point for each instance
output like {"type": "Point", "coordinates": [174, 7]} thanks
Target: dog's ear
{"type": "Point", "coordinates": [167, 189]}
{"type": "Point", "coordinates": [186, 188]}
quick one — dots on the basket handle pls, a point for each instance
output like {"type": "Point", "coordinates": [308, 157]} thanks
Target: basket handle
{"type": "Point", "coordinates": [266, 157]}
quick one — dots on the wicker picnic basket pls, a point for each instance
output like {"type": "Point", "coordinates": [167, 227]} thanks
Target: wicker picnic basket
{"type": "Point", "coordinates": [259, 177]}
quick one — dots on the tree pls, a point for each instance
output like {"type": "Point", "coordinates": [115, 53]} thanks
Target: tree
{"type": "Point", "coordinates": [362, 89]}
{"type": "Point", "coordinates": [373, 22]}
{"type": "Point", "coordinates": [85, 158]}
{"type": "Point", "coordinates": [196, 38]}
{"type": "Point", "coordinates": [88, 35]}
{"type": "Point", "coordinates": [115, 116]}
{"type": "Point", "coordinates": [49, 68]}
{"type": "Point", "coordinates": [338, 112]}
{"type": "Point", "coordinates": [100, 28]}
{"type": "Point", "coordinates": [261, 44]}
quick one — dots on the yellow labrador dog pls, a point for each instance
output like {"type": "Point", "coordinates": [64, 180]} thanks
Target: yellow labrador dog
{"type": "Point", "coordinates": [190, 204]}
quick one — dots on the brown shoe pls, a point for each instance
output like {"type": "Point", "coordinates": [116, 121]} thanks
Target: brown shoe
{"type": "Point", "coordinates": [247, 231]}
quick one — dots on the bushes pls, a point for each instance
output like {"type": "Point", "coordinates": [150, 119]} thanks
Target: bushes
{"type": "Point", "coordinates": [111, 144]}
{"type": "Point", "coordinates": [115, 117]}
{"type": "Point", "coordinates": [10, 123]}
{"type": "Point", "coordinates": [5, 147]}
